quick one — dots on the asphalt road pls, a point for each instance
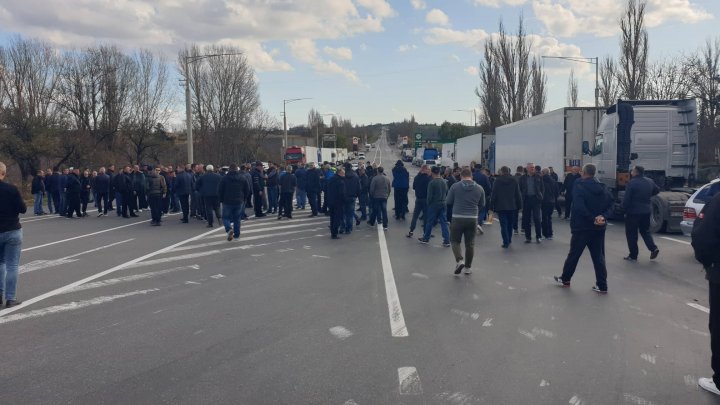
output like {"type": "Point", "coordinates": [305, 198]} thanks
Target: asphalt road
{"type": "Point", "coordinates": [118, 312]}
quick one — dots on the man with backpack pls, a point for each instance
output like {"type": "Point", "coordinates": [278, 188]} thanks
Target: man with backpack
{"type": "Point", "coordinates": [705, 242]}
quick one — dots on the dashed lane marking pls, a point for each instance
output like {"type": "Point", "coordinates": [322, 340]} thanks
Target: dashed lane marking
{"type": "Point", "coordinates": [135, 277]}
{"type": "Point", "coordinates": [409, 381]}
{"type": "Point", "coordinates": [684, 242]}
{"type": "Point", "coordinates": [699, 307]}
{"type": "Point", "coordinates": [43, 264]}
{"type": "Point", "coordinates": [397, 320]}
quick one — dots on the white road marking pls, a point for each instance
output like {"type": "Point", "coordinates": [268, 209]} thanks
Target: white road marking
{"type": "Point", "coordinates": [198, 332]}
{"type": "Point", "coordinates": [535, 332]}
{"type": "Point", "coordinates": [340, 332]}
{"type": "Point", "coordinates": [409, 380]}
{"type": "Point", "coordinates": [457, 398]}
{"type": "Point", "coordinates": [135, 277]}
{"type": "Point", "coordinates": [684, 242]}
{"type": "Point", "coordinates": [420, 275]}
{"type": "Point", "coordinates": [192, 282]}
{"type": "Point", "coordinates": [217, 276]}
{"type": "Point", "coordinates": [321, 257]}
{"type": "Point", "coordinates": [84, 236]}
{"type": "Point", "coordinates": [270, 228]}
{"type": "Point", "coordinates": [397, 320]}
{"type": "Point", "coordinates": [575, 400]}
{"type": "Point", "coordinates": [102, 274]}
{"type": "Point", "coordinates": [544, 383]}
{"type": "Point", "coordinates": [71, 306]}
{"type": "Point", "coordinates": [284, 250]}
{"type": "Point", "coordinates": [698, 306]}
{"type": "Point", "coordinates": [44, 264]}
{"type": "Point", "coordinates": [208, 244]}
{"type": "Point", "coordinates": [488, 322]}
{"type": "Point", "coordinates": [650, 358]}
{"type": "Point", "coordinates": [350, 402]}
{"type": "Point", "coordinates": [634, 399]}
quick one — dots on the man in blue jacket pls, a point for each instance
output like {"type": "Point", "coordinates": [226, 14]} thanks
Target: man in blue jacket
{"type": "Point", "coordinates": [401, 186]}
{"type": "Point", "coordinates": [592, 204]}
{"type": "Point", "coordinates": [301, 191]}
{"type": "Point", "coordinates": [637, 213]}
{"type": "Point", "coordinates": [183, 189]}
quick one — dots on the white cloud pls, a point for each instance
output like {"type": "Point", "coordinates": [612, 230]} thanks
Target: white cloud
{"type": "Point", "coordinates": [568, 18]}
{"type": "Point", "coordinates": [471, 70]}
{"type": "Point", "coordinates": [437, 17]}
{"type": "Point", "coordinates": [339, 53]}
{"type": "Point", "coordinates": [306, 51]}
{"type": "Point", "coordinates": [407, 47]}
{"type": "Point", "coordinates": [498, 3]}
{"type": "Point", "coordinates": [455, 58]}
{"type": "Point", "coordinates": [418, 4]}
{"type": "Point", "coordinates": [379, 8]}
{"type": "Point", "coordinates": [474, 38]}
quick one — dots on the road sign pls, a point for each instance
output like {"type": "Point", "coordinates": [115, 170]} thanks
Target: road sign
{"type": "Point", "coordinates": [355, 140]}
{"type": "Point", "coordinates": [418, 137]}
{"type": "Point", "coordinates": [418, 144]}
{"type": "Point", "coordinates": [329, 138]}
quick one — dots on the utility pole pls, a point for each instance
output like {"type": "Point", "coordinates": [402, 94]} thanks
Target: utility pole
{"type": "Point", "coordinates": [285, 102]}
{"type": "Point", "coordinates": [593, 61]}
{"type": "Point", "coordinates": [188, 109]}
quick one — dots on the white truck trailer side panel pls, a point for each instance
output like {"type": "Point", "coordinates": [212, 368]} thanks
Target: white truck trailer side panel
{"type": "Point", "coordinates": [469, 149]}
{"type": "Point", "coordinates": [311, 154]}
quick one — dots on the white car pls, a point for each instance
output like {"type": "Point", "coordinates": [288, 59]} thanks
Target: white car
{"type": "Point", "coordinates": [361, 156]}
{"type": "Point", "coordinates": [354, 166]}
{"type": "Point", "coordinates": [694, 205]}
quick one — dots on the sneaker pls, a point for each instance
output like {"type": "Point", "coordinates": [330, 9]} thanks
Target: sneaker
{"type": "Point", "coordinates": [630, 258]}
{"type": "Point", "coordinates": [516, 232]}
{"type": "Point", "coordinates": [423, 240]}
{"type": "Point", "coordinates": [100, 214]}
{"type": "Point", "coordinates": [410, 234]}
{"type": "Point", "coordinates": [538, 240]}
{"type": "Point", "coordinates": [480, 230]}
{"type": "Point", "coordinates": [230, 236]}
{"type": "Point", "coordinates": [598, 290]}
{"type": "Point", "coordinates": [528, 240]}
{"type": "Point", "coordinates": [505, 246]}
{"type": "Point", "coordinates": [12, 303]}
{"type": "Point", "coordinates": [560, 282]}
{"type": "Point", "coordinates": [654, 254]}
{"type": "Point", "coordinates": [467, 270]}
{"type": "Point", "coordinates": [385, 228]}
{"type": "Point", "coordinates": [334, 237]}
{"type": "Point", "coordinates": [549, 238]}
{"type": "Point", "coordinates": [446, 244]}
{"type": "Point", "coordinates": [459, 267]}
{"type": "Point", "coordinates": [709, 385]}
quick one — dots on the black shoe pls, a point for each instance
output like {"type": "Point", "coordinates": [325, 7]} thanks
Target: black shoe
{"type": "Point", "coordinates": [12, 303]}
{"type": "Point", "coordinates": [630, 258]}
{"type": "Point", "coordinates": [260, 215]}
{"type": "Point", "coordinates": [410, 234]}
{"type": "Point", "coordinates": [654, 254]}
{"type": "Point", "coordinates": [598, 290]}
{"type": "Point", "coordinates": [423, 241]}
{"type": "Point", "coordinates": [459, 267]}
{"type": "Point", "coordinates": [334, 237]}
{"type": "Point", "coordinates": [538, 240]}
{"type": "Point", "coordinates": [560, 282]}
{"type": "Point", "coordinates": [505, 246]}
{"type": "Point", "coordinates": [134, 215]}
{"type": "Point", "coordinates": [357, 222]}
{"type": "Point", "coordinates": [528, 240]}
{"type": "Point", "coordinates": [184, 221]}
{"type": "Point", "coordinates": [209, 226]}
{"type": "Point", "coordinates": [126, 216]}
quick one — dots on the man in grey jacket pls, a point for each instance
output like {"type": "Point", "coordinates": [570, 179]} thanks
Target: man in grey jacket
{"type": "Point", "coordinates": [379, 193]}
{"type": "Point", "coordinates": [467, 198]}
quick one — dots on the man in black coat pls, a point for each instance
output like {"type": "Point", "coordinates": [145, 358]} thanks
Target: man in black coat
{"type": "Point", "coordinates": [207, 185]}
{"type": "Point", "coordinates": [352, 192]}
{"type": "Point", "coordinates": [232, 192]}
{"type": "Point", "coordinates": [72, 193]}
{"type": "Point", "coordinates": [38, 191]}
{"type": "Point", "coordinates": [286, 183]}
{"type": "Point", "coordinates": [506, 201]}
{"type": "Point", "coordinates": [102, 188]}
{"type": "Point", "coordinates": [420, 186]}
{"type": "Point", "coordinates": [568, 185]}
{"type": "Point", "coordinates": [637, 206]}
{"type": "Point", "coordinates": [313, 189]}
{"type": "Point", "coordinates": [258, 185]}
{"type": "Point", "coordinates": [533, 192]}
{"type": "Point", "coordinates": [548, 204]}
{"type": "Point", "coordinates": [364, 197]}
{"type": "Point", "coordinates": [336, 198]}
{"type": "Point", "coordinates": [122, 184]}
{"type": "Point", "coordinates": [183, 189]}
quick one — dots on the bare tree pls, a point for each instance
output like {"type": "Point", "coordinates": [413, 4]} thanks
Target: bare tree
{"type": "Point", "coordinates": [634, 50]}
{"type": "Point", "coordinates": [538, 91]}
{"type": "Point", "coordinates": [703, 71]}
{"type": "Point", "coordinates": [489, 91]}
{"type": "Point", "coordinates": [609, 86]}
{"type": "Point", "coordinates": [28, 79]}
{"type": "Point", "coordinates": [667, 80]}
{"type": "Point", "coordinates": [572, 91]}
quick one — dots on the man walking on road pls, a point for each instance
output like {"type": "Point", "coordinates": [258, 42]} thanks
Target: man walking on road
{"type": "Point", "coordinates": [232, 193]}
{"type": "Point", "coordinates": [592, 204]}
{"type": "Point", "coordinates": [420, 185]}
{"type": "Point", "coordinates": [335, 197]}
{"type": "Point", "coordinates": [548, 203]}
{"type": "Point", "coordinates": [72, 191]}
{"type": "Point", "coordinates": [313, 189]}
{"type": "Point", "coordinates": [38, 191]}
{"type": "Point", "coordinates": [379, 193]}
{"type": "Point", "coordinates": [435, 212]}
{"type": "Point", "coordinates": [533, 191]}
{"type": "Point", "coordinates": [352, 191]}
{"type": "Point", "coordinates": [183, 189]}
{"type": "Point", "coordinates": [568, 185]}
{"type": "Point", "coordinates": [637, 213]}
{"type": "Point", "coordinates": [258, 185]}
{"type": "Point", "coordinates": [466, 198]}
{"type": "Point", "coordinates": [11, 206]}
{"type": "Point", "coordinates": [207, 185]}
{"type": "Point", "coordinates": [156, 189]}
{"type": "Point", "coordinates": [506, 201]}
{"type": "Point", "coordinates": [401, 186]}
{"type": "Point", "coordinates": [102, 188]}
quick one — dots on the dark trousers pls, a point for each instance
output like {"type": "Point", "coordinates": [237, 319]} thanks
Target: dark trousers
{"type": "Point", "coordinates": [212, 209]}
{"type": "Point", "coordinates": [635, 224]}
{"type": "Point", "coordinates": [184, 205]}
{"type": "Point", "coordinates": [313, 199]}
{"type": "Point", "coordinates": [715, 330]}
{"type": "Point", "coordinates": [127, 204]}
{"type": "Point", "coordinates": [272, 194]}
{"type": "Point", "coordinates": [336, 218]}
{"type": "Point", "coordinates": [568, 204]}
{"type": "Point", "coordinates": [349, 215]}
{"type": "Point", "coordinates": [142, 202]}
{"type": "Point", "coordinates": [532, 210]}
{"type": "Point", "coordinates": [547, 212]}
{"type": "Point", "coordinates": [364, 201]}
{"type": "Point", "coordinates": [285, 207]}
{"type": "Point", "coordinates": [103, 203]}
{"type": "Point", "coordinates": [401, 202]}
{"type": "Point", "coordinates": [72, 203]}
{"type": "Point", "coordinates": [507, 219]}
{"type": "Point", "coordinates": [118, 203]}
{"type": "Point", "coordinates": [54, 201]}
{"type": "Point", "coordinates": [459, 229]}
{"type": "Point", "coordinates": [515, 220]}
{"type": "Point", "coordinates": [324, 202]}
{"type": "Point", "coordinates": [258, 204]}
{"type": "Point", "coordinates": [156, 206]}
{"type": "Point", "coordinates": [420, 206]}
{"type": "Point", "coordinates": [594, 240]}
{"type": "Point", "coordinates": [379, 212]}
{"type": "Point", "coordinates": [84, 201]}
{"type": "Point", "coordinates": [131, 197]}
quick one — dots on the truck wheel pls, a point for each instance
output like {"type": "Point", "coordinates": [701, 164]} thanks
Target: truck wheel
{"type": "Point", "coordinates": [659, 209]}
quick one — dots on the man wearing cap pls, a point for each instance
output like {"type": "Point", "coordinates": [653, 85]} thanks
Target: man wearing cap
{"type": "Point", "coordinates": [155, 190]}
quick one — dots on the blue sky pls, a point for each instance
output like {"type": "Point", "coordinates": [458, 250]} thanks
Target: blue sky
{"type": "Point", "coordinates": [367, 60]}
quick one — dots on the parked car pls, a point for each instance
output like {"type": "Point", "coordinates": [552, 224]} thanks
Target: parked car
{"type": "Point", "coordinates": [695, 204]}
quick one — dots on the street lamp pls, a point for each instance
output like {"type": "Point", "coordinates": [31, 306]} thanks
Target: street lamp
{"type": "Point", "coordinates": [593, 61]}
{"type": "Point", "coordinates": [188, 109]}
{"type": "Point", "coordinates": [474, 113]}
{"type": "Point", "coordinates": [285, 102]}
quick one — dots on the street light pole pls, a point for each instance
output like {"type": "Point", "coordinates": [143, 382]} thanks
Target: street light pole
{"type": "Point", "coordinates": [188, 109]}
{"type": "Point", "coordinates": [593, 61]}
{"type": "Point", "coordinates": [474, 113]}
{"type": "Point", "coordinates": [285, 102]}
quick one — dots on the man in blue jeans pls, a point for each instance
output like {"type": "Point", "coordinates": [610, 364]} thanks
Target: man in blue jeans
{"type": "Point", "coordinates": [11, 206]}
{"type": "Point", "coordinates": [232, 193]}
{"type": "Point", "coordinates": [506, 201]}
{"type": "Point", "coordinates": [38, 191]}
{"type": "Point", "coordinates": [436, 208]}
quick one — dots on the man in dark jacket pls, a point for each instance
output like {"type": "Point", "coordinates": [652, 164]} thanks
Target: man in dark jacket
{"type": "Point", "coordinates": [637, 213]}
{"type": "Point", "coordinates": [484, 181]}
{"type": "Point", "coordinates": [139, 201]}
{"type": "Point", "coordinates": [183, 190]}
{"type": "Point", "coordinates": [11, 237]}
{"type": "Point", "coordinates": [435, 212]}
{"type": "Point", "coordinates": [364, 197]}
{"type": "Point", "coordinates": [352, 192]}
{"type": "Point", "coordinates": [533, 191]}
{"type": "Point", "coordinates": [313, 189]}
{"type": "Point", "coordinates": [122, 184]}
{"type": "Point", "coordinates": [506, 201]}
{"type": "Point", "coordinates": [336, 201]}
{"type": "Point", "coordinates": [401, 186]}
{"type": "Point", "coordinates": [102, 188]}
{"type": "Point", "coordinates": [592, 204]}
{"type": "Point", "coordinates": [287, 184]}
{"type": "Point", "coordinates": [208, 185]}
{"type": "Point", "coordinates": [420, 186]}
{"type": "Point", "coordinates": [301, 191]}
{"type": "Point", "coordinates": [548, 204]}
{"type": "Point", "coordinates": [232, 193]}
{"type": "Point", "coordinates": [272, 188]}
{"type": "Point", "coordinates": [568, 185]}
{"type": "Point", "coordinates": [258, 185]}
{"type": "Point", "coordinates": [38, 191]}
{"type": "Point", "coordinates": [155, 190]}
{"type": "Point", "coordinates": [73, 187]}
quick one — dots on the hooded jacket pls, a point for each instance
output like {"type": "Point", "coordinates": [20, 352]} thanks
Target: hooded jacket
{"type": "Point", "coordinates": [467, 198]}
{"type": "Point", "coordinates": [590, 199]}
{"type": "Point", "coordinates": [313, 181]}
{"type": "Point", "coordinates": [401, 177]}
{"type": "Point", "coordinates": [208, 184]}
{"type": "Point", "coordinates": [506, 194]}
{"type": "Point", "coordinates": [352, 185]}
{"type": "Point", "coordinates": [234, 188]}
